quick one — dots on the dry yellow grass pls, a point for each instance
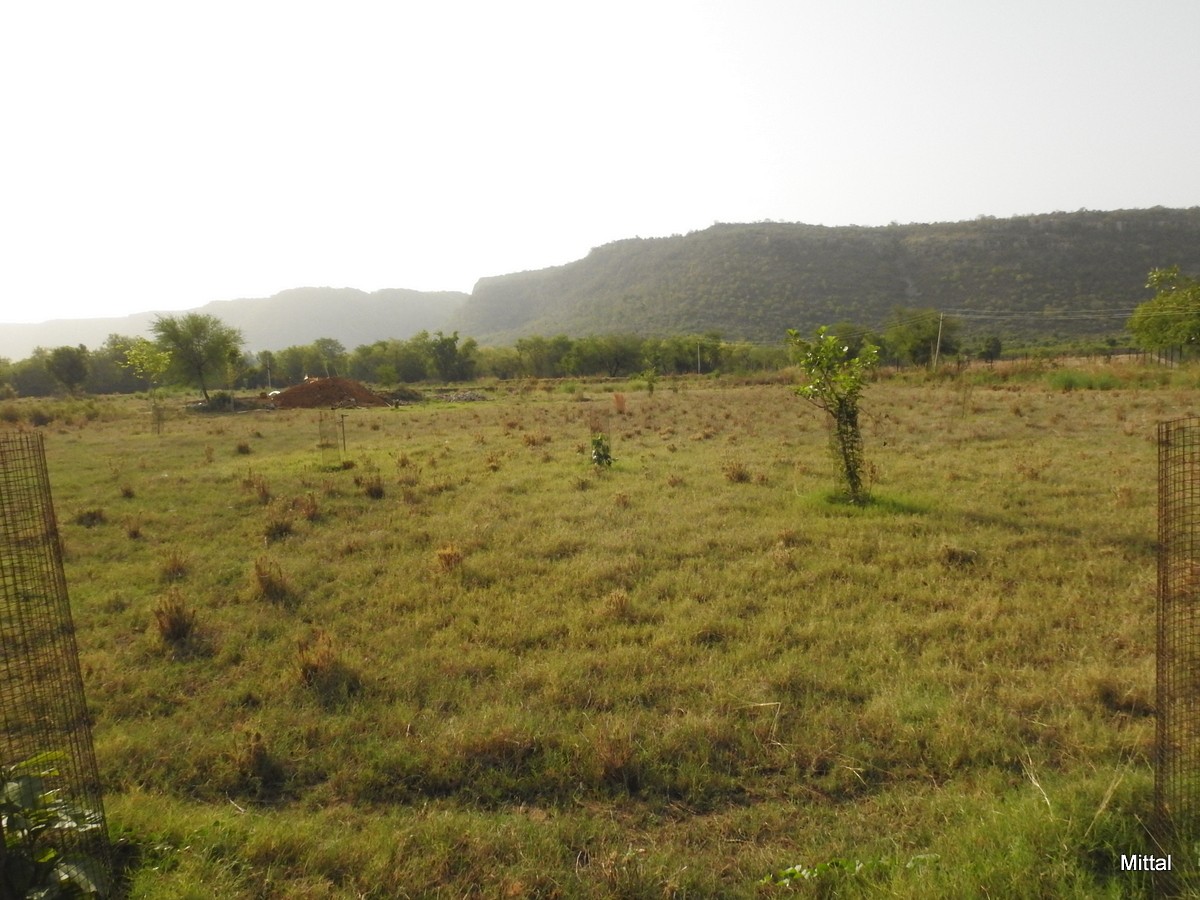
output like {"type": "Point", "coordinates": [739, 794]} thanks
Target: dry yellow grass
{"type": "Point", "coordinates": [655, 679]}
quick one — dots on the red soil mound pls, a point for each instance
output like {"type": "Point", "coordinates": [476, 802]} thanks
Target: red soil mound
{"type": "Point", "coordinates": [332, 393]}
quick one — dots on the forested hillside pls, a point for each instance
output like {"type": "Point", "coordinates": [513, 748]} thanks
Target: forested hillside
{"type": "Point", "coordinates": [1052, 276]}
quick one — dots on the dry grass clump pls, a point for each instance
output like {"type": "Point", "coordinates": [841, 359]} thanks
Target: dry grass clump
{"type": "Point", "coordinates": [174, 619]}
{"type": "Point", "coordinates": [789, 537]}
{"type": "Point", "coordinates": [447, 558]}
{"type": "Point", "coordinates": [736, 471]}
{"type": "Point", "coordinates": [618, 605]}
{"type": "Point", "coordinates": [319, 669]}
{"type": "Point", "coordinates": [267, 582]}
{"type": "Point", "coordinates": [243, 448]}
{"type": "Point", "coordinates": [315, 657]}
{"type": "Point", "coordinates": [174, 567]}
{"type": "Point", "coordinates": [259, 773]}
{"type": "Point", "coordinates": [257, 485]}
{"type": "Point", "coordinates": [372, 486]}
{"type": "Point", "coordinates": [90, 518]}
{"type": "Point", "coordinates": [307, 506]}
{"type": "Point", "coordinates": [278, 524]}
{"type": "Point", "coordinates": [958, 558]}
{"type": "Point", "coordinates": [781, 555]}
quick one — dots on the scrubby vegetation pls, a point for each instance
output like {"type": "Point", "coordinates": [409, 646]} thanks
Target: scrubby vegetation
{"type": "Point", "coordinates": [486, 665]}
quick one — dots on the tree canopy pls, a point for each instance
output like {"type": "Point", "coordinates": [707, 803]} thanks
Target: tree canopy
{"type": "Point", "coordinates": [1171, 318]}
{"type": "Point", "coordinates": [69, 366]}
{"type": "Point", "coordinates": [201, 347]}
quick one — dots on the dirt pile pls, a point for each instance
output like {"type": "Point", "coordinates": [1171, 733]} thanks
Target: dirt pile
{"type": "Point", "coordinates": [328, 393]}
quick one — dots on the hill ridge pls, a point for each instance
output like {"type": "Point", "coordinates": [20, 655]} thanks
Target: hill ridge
{"type": "Point", "coordinates": [753, 281]}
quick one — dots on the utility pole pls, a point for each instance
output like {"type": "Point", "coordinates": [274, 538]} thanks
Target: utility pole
{"type": "Point", "coordinates": [697, 356]}
{"type": "Point", "coordinates": [937, 351]}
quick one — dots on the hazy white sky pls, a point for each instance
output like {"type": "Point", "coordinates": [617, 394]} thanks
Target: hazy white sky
{"type": "Point", "coordinates": [159, 155]}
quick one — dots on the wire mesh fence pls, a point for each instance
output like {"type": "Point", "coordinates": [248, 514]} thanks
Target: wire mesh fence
{"type": "Point", "coordinates": [331, 439]}
{"type": "Point", "coordinates": [45, 733]}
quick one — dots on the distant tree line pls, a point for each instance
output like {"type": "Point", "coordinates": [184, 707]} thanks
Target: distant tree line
{"type": "Point", "coordinates": [202, 352]}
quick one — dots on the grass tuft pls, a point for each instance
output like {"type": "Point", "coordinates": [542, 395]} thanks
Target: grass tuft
{"type": "Point", "coordinates": [174, 567]}
{"type": "Point", "coordinates": [90, 518]}
{"type": "Point", "coordinates": [175, 620]}
{"type": "Point", "coordinates": [267, 582]}
{"type": "Point", "coordinates": [448, 558]}
{"type": "Point", "coordinates": [736, 471]}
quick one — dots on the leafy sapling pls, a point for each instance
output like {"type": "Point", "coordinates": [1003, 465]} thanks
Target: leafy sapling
{"type": "Point", "coordinates": [602, 456]}
{"type": "Point", "coordinates": [833, 382]}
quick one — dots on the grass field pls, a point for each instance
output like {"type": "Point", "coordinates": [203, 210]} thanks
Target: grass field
{"type": "Point", "coordinates": [470, 663]}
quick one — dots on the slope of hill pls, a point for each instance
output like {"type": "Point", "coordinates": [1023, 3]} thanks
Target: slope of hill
{"type": "Point", "coordinates": [296, 316]}
{"type": "Point", "coordinates": [1053, 275]}
{"type": "Point", "coordinates": [1056, 276]}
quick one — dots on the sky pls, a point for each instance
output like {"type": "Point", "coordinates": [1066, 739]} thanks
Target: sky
{"type": "Point", "coordinates": [161, 155]}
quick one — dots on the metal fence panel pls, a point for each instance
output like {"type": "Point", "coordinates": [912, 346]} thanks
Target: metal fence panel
{"type": "Point", "coordinates": [42, 706]}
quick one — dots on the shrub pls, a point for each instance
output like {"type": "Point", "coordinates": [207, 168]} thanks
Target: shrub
{"type": "Point", "coordinates": [220, 400]}
{"type": "Point", "coordinates": [36, 819]}
{"type": "Point", "coordinates": [601, 452]}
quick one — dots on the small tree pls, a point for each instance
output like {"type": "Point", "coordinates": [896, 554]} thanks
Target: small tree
{"type": "Point", "coordinates": [1172, 317]}
{"type": "Point", "coordinates": [69, 366]}
{"type": "Point", "coordinates": [834, 382]}
{"type": "Point", "coordinates": [148, 362]}
{"type": "Point", "coordinates": [199, 347]}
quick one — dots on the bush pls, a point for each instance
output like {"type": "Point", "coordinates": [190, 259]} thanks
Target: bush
{"type": "Point", "coordinates": [31, 865]}
{"type": "Point", "coordinates": [601, 452]}
{"type": "Point", "coordinates": [220, 401]}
